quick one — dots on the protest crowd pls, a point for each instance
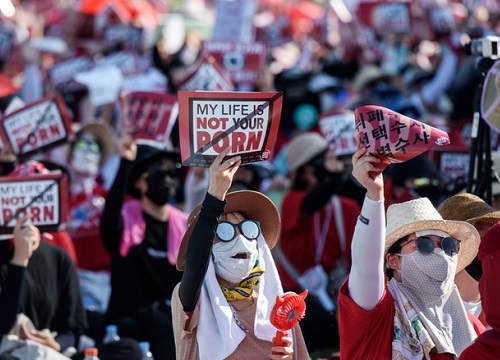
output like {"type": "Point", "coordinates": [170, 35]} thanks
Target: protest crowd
{"type": "Point", "coordinates": [121, 238]}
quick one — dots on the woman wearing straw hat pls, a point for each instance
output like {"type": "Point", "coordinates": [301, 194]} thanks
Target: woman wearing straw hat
{"type": "Point", "coordinates": [477, 212]}
{"type": "Point", "coordinates": [221, 308]}
{"type": "Point", "coordinates": [487, 345]}
{"type": "Point", "coordinates": [418, 313]}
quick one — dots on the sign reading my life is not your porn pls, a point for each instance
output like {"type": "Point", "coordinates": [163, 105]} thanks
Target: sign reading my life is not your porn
{"type": "Point", "coordinates": [209, 122]}
{"type": "Point", "coordinates": [150, 115]}
{"type": "Point", "coordinates": [39, 125]}
{"type": "Point", "coordinates": [394, 137]}
{"type": "Point", "coordinates": [42, 196]}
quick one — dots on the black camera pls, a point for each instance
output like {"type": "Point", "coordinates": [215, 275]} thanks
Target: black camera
{"type": "Point", "coordinates": [487, 47]}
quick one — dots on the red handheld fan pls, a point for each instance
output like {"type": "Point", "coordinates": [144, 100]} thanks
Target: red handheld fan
{"type": "Point", "coordinates": [289, 309]}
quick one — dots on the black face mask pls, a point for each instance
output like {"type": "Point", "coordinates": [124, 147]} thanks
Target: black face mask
{"type": "Point", "coordinates": [162, 185]}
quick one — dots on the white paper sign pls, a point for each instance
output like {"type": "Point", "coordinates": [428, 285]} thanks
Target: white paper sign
{"type": "Point", "coordinates": [340, 131]}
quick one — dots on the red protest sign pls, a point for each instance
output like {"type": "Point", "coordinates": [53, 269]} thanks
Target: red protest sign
{"type": "Point", "coordinates": [45, 197]}
{"type": "Point", "coordinates": [211, 121]}
{"type": "Point", "coordinates": [340, 131]}
{"type": "Point", "coordinates": [38, 125]}
{"type": "Point", "coordinates": [394, 137]}
{"type": "Point", "coordinates": [386, 16]}
{"type": "Point", "coordinates": [242, 61]}
{"type": "Point", "coordinates": [150, 115]}
{"type": "Point", "coordinates": [207, 75]}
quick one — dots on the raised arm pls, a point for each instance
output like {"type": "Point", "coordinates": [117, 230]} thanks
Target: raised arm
{"type": "Point", "coordinates": [111, 223]}
{"type": "Point", "coordinates": [26, 240]}
{"type": "Point", "coordinates": [366, 280]}
{"type": "Point", "coordinates": [202, 237]}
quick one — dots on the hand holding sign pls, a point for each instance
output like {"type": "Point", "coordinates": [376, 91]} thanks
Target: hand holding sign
{"type": "Point", "coordinates": [26, 240]}
{"type": "Point", "coordinates": [394, 137]}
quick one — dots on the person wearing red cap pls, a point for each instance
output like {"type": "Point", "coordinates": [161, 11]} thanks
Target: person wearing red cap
{"type": "Point", "coordinates": [487, 345]}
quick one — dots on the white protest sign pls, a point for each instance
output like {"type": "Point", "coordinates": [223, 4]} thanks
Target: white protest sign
{"type": "Point", "coordinates": [234, 20]}
{"type": "Point", "coordinates": [212, 121]}
{"type": "Point", "coordinates": [38, 125]}
{"type": "Point", "coordinates": [391, 17]}
{"type": "Point", "coordinates": [454, 164]}
{"type": "Point", "coordinates": [123, 60]}
{"type": "Point", "coordinates": [340, 132]}
{"type": "Point", "coordinates": [206, 76]}
{"type": "Point", "coordinates": [61, 74]}
{"type": "Point", "coordinates": [42, 196]}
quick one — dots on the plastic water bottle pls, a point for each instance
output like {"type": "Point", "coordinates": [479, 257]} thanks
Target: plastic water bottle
{"type": "Point", "coordinates": [111, 334]}
{"type": "Point", "coordinates": [146, 354]}
{"type": "Point", "coordinates": [91, 354]}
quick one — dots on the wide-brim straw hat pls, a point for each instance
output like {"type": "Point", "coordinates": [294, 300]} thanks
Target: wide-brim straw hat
{"type": "Point", "coordinates": [253, 204]}
{"type": "Point", "coordinates": [468, 207]}
{"type": "Point", "coordinates": [416, 215]}
{"type": "Point", "coordinates": [303, 148]}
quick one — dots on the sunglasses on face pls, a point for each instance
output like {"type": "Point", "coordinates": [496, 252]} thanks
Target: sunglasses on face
{"type": "Point", "coordinates": [91, 146]}
{"type": "Point", "coordinates": [426, 245]}
{"type": "Point", "coordinates": [226, 231]}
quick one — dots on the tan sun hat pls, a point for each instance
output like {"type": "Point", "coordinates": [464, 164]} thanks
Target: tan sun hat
{"type": "Point", "coordinates": [416, 215]}
{"type": "Point", "coordinates": [303, 147]}
{"type": "Point", "coordinates": [253, 204]}
{"type": "Point", "coordinates": [468, 207]}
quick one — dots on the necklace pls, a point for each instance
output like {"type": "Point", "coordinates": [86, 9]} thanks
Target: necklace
{"type": "Point", "coordinates": [236, 319]}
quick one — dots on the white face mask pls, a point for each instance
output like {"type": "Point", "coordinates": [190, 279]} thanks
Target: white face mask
{"type": "Point", "coordinates": [85, 162]}
{"type": "Point", "coordinates": [429, 273]}
{"type": "Point", "coordinates": [229, 268]}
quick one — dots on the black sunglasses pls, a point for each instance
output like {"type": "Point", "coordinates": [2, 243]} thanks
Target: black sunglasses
{"type": "Point", "coordinates": [426, 245]}
{"type": "Point", "coordinates": [226, 231]}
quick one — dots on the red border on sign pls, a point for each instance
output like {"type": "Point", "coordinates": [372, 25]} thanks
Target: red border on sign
{"type": "Point", "coordinates": [190, 156]}
{"type": "Point", "coordinates": [61, 106]}
{"type": "Point", "coordinates": [62, 181]}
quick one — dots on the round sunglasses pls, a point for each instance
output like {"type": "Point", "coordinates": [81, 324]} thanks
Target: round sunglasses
{"type": "Point", "coordinates": [91, 146]}
{"type": "Point", "coordinates": [426, 245]}
{"type": "Point", "coordinates": [226, 231]}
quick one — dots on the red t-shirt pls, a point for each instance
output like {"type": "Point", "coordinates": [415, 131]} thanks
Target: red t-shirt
{"type": "Point", "coordinates": [298, 236]}
{"type": "Point", "coordinates": [367, 335]}
{"type": "Point", "coordinates": [485, 347]}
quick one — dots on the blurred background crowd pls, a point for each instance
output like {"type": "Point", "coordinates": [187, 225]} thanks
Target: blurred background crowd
{"type": "Point", "coordinates": [327, 57]}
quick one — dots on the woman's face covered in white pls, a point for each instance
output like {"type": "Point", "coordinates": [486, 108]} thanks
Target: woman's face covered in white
{"type": "Point", "coordinates": [234, 259]}
{"type": "Point", "coordinates": [86, 155]}
{"type": "Point", "coordinates": [429, 273]}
